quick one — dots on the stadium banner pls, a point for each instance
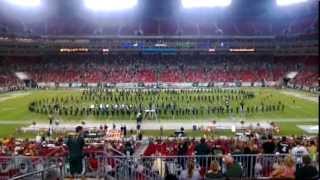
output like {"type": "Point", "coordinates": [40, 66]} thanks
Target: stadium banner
{"type": "Point", "coordinates": [271, 83]}
{"type": "Point", "coordinates": [257, 84]}
{"type": "Point", "coordinates": [179, 85]}
{"type": "Point", "coordinates": [92, 84]}
{"type": "Point", "coordinates": [110, 85]}
{"type": "Point", "coordinates": [51, 84]}
{"type": "Point", "coordinates": [46, 84]}
{"type": "Point", "coordinates": [76, 85]}
{"type": "Point", "coordinates": [65, 85]}
{"type": "Point", "coordinates": [114, 135]}
{"type": "Point", "coordinates": [126, 85]}
{"type": "Point", "coordinates": [246, 84]}
{"type": "Point", "coordinates": [218, 84]}
{"type": "Point", "coordinates": [230, 84]}
{"type": "Point", "coordinates": [41, 84]}
{"type": "Point", "coordinates": [148, 84]}
{"type": "Point", "coordinates": [175, 85]}
{"type": "Point", "coordinates": [203, 84]}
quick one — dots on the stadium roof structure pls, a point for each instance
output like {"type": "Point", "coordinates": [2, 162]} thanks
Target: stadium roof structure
{"type": "Point", "coordinates": [28, 3]}
{"type": "Point", "coordinates": [154, 8]}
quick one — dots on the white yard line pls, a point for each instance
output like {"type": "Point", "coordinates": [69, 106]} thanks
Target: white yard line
{"type": "Point", "coordinates": [13, 95]}
{"type": "Point", "coordinates": [300, 95]}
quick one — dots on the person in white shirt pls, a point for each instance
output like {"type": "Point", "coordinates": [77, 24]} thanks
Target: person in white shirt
{"type": "Point", "coordinates": [298, 151]}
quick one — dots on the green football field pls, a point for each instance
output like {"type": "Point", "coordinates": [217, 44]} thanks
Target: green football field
{"type": "Point", "coordinates": [300, 108]}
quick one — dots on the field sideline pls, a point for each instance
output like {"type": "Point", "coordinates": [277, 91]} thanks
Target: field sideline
{"type": "Point", "coordinates": [14, 111]}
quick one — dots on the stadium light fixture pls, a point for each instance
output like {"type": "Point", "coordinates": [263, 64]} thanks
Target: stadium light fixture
{"type": "Point", "coordinates": [27, 3]}
{"type": "Point", "coordinates": [289, 2]}
{"type": "Point", "coordinates": [205, 3]}
{"type": "Point", "coordinates": [110, 5]}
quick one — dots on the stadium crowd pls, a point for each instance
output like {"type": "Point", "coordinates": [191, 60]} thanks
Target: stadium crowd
{"type": "Point", "coordinates": [146, 69]}
{"type": "Point", "coordinates": [233, 146]}
{"type": "Point", "coordinates": [258, 154]}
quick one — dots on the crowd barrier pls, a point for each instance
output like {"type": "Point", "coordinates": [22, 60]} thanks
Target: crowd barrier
{"type": "Point", "coordinates": [12, 167]}
{"type": "Point", "coordinates": [101, 165]}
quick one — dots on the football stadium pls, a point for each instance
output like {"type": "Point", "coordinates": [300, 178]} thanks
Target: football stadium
{"type": "Point", "coordinates": [166, 89]}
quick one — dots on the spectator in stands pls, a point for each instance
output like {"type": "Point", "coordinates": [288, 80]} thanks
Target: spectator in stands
{"type": "Point", "coordinates": [129, 149]}
{"type": "Point", "coordinates": [312, 148]}
{"type": "Point", "coordinates": [233, 169]}
{"type": "Point", "coordinates": [191, 173]}
{"type": "Point", "coordinates": [214, 172]}
{"type": "Point", "coordinates": [202, 149]}
{"type": "Point", "coordinates": [283, 146]}
{"type": "Point", "coordinates": [269, 146]}
{"type": "Point", "coordinates": [286, 169]}
{"type": "Point", "coordinates": [159, 166]}
{"type": "Point", "coordinates": [307, 171]}
{"type": "Point", "coordinates": [75, 145]}
{"type": "Point", "coordinates": [182, 151]}
{"type": "Point", "coordinates": [298, 151]}
{"type": "Point", "coordinates": [93, 163]}
{"type": "Point", "coordinates": [289, 167]}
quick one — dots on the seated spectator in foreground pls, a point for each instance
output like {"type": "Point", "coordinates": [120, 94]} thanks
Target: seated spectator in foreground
{"type": "Point", "coordinates": [307, 171]}
{"type": "Point", "coordinates": [233, 169]}
{"type": "Point", "coordinates": [214, 172]}
{"type": "Point", "coordinates": [285, 170]}
{"type": "Point", "coordinates": [191, 173]}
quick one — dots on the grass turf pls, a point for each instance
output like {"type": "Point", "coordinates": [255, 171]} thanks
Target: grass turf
{"type": "Point", "coordinates": [14, 111]}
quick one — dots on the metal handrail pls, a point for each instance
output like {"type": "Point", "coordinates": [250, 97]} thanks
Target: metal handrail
{"type": "Point", "coordinates": [34, 173]}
